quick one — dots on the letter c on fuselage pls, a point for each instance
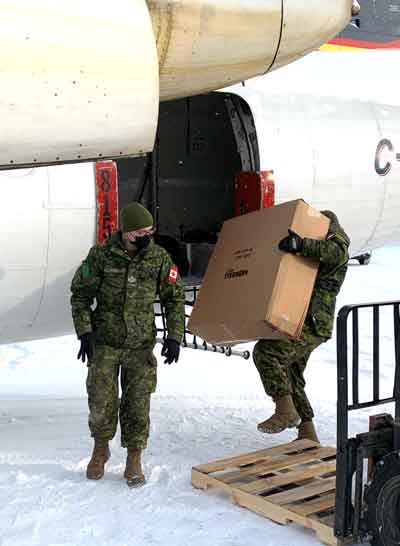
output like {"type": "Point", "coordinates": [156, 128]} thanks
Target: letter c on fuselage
{"type": "Point", "coordinates": [383, 145]}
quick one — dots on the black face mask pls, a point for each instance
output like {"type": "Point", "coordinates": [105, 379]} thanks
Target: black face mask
{"type": "Point", "coordinates": [143, 242]}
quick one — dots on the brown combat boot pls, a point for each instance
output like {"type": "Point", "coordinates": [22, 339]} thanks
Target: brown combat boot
{"type": "Point", "coordinates": [285, 416]}
{"type": "Point", "coordinates": [133, 471]}
{"type": "Point", "coordinates": [307, 432]}
{"type": "Point", "coordinates": [101, 454]}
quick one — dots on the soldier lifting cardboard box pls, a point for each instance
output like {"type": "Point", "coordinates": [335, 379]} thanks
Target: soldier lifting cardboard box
{"type": "Point", "coordinates": [251, 289]}
{"type": "Point", "coordinates": [294, 254]}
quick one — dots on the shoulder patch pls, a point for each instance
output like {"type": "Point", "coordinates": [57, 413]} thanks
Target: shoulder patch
{"type": "Point", "coordinates": [173, 274]}
{"type": "Point", "coordinates": [85, 270]}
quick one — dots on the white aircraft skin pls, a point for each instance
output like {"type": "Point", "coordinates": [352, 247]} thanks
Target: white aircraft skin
{"type": "Point", "coordinates": [329, 149]}
{"type": "Point", "coordinates": [341, 74]}
{"type": "Point", "coordinates": [334, 153]}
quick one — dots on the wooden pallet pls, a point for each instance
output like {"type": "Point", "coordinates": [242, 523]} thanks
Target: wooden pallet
{"type": "Point", "coordinates": [292, 482]}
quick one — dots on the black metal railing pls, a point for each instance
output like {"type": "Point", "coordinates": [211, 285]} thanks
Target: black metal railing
{"type": "Point", "coordinates": [351, 452]}
{"type": "Point", "coordinates": [191, 341]}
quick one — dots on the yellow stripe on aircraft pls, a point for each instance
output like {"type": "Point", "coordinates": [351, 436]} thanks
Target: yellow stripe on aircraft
{"type": "Point", "coordinates": [334, 47]}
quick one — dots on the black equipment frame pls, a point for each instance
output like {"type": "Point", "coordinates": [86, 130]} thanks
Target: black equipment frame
{"type": "Point", "coordinates": [351, 452]}
{"type": "Point", "coordinates": [191, 341]}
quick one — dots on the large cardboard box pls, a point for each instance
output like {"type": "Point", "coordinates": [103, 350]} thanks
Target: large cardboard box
{"type": "Point", "coordinates": [251, 289]}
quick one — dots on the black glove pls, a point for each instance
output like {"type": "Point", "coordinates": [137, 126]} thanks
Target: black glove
{"type": "Point", "coordinates": [292, 243]}
{"type": "Point", "coordinates": [170, 350]}
{"type": "Point", "coordinates": [87, 347]}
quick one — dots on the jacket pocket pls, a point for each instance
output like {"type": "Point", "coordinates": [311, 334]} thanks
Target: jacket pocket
{"type": "Point", "coordinates": [110, 329]}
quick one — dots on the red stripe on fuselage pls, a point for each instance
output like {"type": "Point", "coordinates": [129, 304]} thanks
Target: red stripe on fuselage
{"type": "Point", "coordinates": [365, 44]}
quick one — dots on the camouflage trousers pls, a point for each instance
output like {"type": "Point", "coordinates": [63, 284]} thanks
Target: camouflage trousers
{"type": "Point", "coordinates": [137, 371]}
{"type": "Point", "coordinates": [281, 364]}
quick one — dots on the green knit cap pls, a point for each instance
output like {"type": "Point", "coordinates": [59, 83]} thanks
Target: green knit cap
{"type": "Point", "coordinates": [135, 216]}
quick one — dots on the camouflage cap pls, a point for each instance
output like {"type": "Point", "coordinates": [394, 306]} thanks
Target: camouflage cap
{"type": "Point", "coordinates": [331, 215]}
{"type": "Point", "coordinates": [335, 228]}
{"type": "Point", "coordinates": [135, 216]}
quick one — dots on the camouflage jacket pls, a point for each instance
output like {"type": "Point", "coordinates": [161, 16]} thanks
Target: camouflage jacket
{"type": "Point", "coordinates": [333, 256]}
{"type": "Point", "coordinates": [125, 289]}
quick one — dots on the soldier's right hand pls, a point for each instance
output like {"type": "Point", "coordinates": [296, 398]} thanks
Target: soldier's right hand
{"type": "Point", "coordinates": [292, 243]}
{"type": "Point", "coordinates": [87, 347]}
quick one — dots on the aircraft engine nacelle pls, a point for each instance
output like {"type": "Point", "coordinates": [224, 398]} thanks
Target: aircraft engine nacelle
{"type": "Point", "coordinates": [204, 45]}
{"type": "Point", "coordinates": [82, 80]}
{"type": "Point", "coordinates": [79, 80]}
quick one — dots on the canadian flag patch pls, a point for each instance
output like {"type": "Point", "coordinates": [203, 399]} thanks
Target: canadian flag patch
{"type": "Point", "coordinates": [173, 274]}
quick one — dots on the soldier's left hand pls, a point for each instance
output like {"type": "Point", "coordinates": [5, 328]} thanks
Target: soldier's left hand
{"type": "Point", "coordinates": [86, 350]}
{"type": "Point", "coordinates": [170, 350]}
{"type": "Point", "coordinates": [293, 243]}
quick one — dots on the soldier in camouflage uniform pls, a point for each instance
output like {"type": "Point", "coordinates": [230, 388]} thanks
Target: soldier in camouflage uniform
{"type": "Point", "coordinates": [123, 275]}
{"type": "Point", "coordinates": [281, 363]}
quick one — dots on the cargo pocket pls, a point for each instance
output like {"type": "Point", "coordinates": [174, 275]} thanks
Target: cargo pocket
{"type": "Point", "coordinates": [152, 373]}
{"type": "Point", "coordinates": [152, 360]}
{"type": "Point", "coordinates": [90, 381]}
{"type": "Point", "coordinates": [139, 368]}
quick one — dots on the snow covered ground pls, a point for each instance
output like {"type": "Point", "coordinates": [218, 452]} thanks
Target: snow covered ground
{"type": "Point", "coordinates": [206, 407]}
